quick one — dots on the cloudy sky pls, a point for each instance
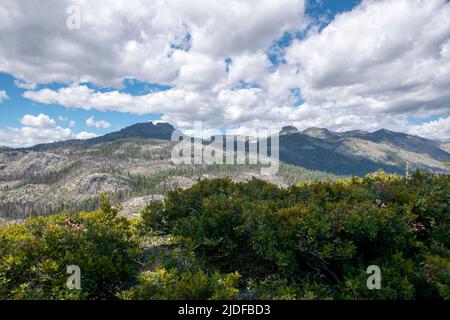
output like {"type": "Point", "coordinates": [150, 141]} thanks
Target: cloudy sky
{"type": "Point", "coordinates": [343, 65]}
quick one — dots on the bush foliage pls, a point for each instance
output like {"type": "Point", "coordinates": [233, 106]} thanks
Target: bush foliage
{"type": "Point", "coordinates": [317, 240]}
{"type": "Point", "coordinates": [221, 239]}
{"type": "Point", "coordinates": [34, 256]}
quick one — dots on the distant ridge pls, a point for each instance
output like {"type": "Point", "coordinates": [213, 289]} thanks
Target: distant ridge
{"type": "Point", "coordinates": [360, 152]}
{"type": "Point", "coordinates": [353, 133]}
{"type": "Point", "coordinates": [145, 130]}
{"type": "Point", "coordinates": [288, 130]}
{"type": "Point", "coordinates": [321, 133]}
{"type": "Point", "coordinates": [353, 152]}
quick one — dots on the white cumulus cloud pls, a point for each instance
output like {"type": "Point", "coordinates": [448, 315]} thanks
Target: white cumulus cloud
{"type": "Point", "coordinates": [101, 124]}
{"type": "Point", "coordinates": [377, 65]}
{"type": "Point", "coordinates": [38, 129]}
{"type": "Point", "coordinates": [83, 135]}
{"type": "Point", "coordinates": [435, 129]}
{"type": "Point", "coordinates": [3, 96]}
{"type": "Point", "coordinates": [134, 38]}
{"type": "Point", "coordinates": [39, 121]}
{"type": "Point", "coordinates": [25, 84]}
{"type": "Point", "coordinates": [382, 57]}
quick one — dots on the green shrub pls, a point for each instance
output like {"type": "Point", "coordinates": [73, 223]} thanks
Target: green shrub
{"type": "Point", "coordinates": [153, 221]}
{"type": "Point", "coordinates": [34, 256]}
{"type": "Point", "coordinates": [323, 234]}
{"type": "Point", "coordinates": [162, 284]}
{"type": "Point", "coordinates": [252, 240]}
{"type": "Point", "coordinates": [278, 288]}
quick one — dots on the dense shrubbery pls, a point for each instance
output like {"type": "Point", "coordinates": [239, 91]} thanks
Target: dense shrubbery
{"type": "Point", "coordinates": [225, 240]}
{"type": "Point", "coordinates": [317, 240]}
{"type": "Point", "coordinates": [163, 284]}
{"type": "Point", "coordinates": [34, 256]}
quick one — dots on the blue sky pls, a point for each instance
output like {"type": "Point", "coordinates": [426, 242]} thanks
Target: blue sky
{"type": "Point", "coordinates": [290, 63]}
{"type": "Point", "coordinates": [12, 109]}
{"type": "Point", "coordinates": [329, 8]}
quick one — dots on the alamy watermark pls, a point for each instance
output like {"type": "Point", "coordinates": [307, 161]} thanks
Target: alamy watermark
{"type": "Point", "coordinates": [374, 280]}
{"type": "Point", "coordinates": [73, 21]}
{"type": "Point", "coordinates": [74, 280]}
{"type": "Point", "coordinates": [227, 148]}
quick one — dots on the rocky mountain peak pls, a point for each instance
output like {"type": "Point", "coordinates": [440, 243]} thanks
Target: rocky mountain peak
{"type": "Point", "coordinates": [320, 133]}
{"type": "Point", "coordinates": [146, 130]}
{"type": "Point", "coordinates": [288, 130]}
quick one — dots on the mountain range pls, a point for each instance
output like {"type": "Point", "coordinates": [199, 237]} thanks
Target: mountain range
{"type": "Point", "coordinates": [349, 153]}
{"type": "Point", "coordinates": [133, 166]}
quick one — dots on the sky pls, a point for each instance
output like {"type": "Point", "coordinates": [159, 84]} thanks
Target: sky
{"type": "Point", "coordinates": [78, 69]}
